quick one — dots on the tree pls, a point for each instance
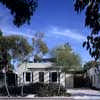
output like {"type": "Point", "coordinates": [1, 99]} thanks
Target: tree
{"type": "Point", "coordinates": [22, 10]}
{"type": "Point", "coordinates": [92, 20]}
{"type": "Point", "coordinates": [12, 47]}
{"type": "Point", "coordinates": [90, 64]}
{"type": "Point", "coordinates": [19, 48]}
{"type": "Point", "coordinates": [66, 58]}
{"type": "Point", "coordinates": [39, 46]}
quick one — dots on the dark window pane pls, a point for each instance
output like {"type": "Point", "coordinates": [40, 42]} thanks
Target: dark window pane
{"type": "Point", "coordinates": [54, 76]}
{"type": "Point", "coordinates": [28, 76]}
{"type": "Point", "coordinates": [41, 76]}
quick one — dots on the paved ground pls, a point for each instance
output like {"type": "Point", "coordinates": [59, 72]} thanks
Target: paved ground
{"type": "Point", "coordinates": [44, 98]}
{"type": "Point", "coordinates": [84, 94]}
{"type": "Point", "coordinates": [77, 94]}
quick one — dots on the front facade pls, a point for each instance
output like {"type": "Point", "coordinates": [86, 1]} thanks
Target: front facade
{"type": "Point", "coordinates": [44, 72]}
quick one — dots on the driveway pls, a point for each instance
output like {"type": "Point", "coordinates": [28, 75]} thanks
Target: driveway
{"type": "Point", "coordinates": [84, 94]}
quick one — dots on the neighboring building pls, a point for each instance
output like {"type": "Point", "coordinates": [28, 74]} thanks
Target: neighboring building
{"type": "Point", "coordinates": [75, 79]}
{"type": "Point", "coordinates": [69, 80]}
{"type": "Point", "coordinates": [94, 77]}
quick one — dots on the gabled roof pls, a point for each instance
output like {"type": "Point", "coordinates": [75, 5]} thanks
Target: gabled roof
{"type": "Point", "coordinates": [27, 65]}
{"type": "Point", "coordinates": [38, 65]}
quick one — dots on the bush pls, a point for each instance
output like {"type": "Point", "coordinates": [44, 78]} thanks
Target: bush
{"type": "Point", "coordinates": [13, 90]}
{"type": "Point", "coordinates": [51, 90]}
{"type": "Point", "coordinates": [40, 89]}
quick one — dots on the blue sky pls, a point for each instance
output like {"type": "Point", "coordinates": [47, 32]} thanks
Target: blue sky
{"type": "Point", "coordinates": [59, 22]}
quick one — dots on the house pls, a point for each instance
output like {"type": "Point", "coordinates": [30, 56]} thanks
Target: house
{"type": "Point", "coordinates": [94, 77]}
{"type": "Point", "coordinates": [47, 72]}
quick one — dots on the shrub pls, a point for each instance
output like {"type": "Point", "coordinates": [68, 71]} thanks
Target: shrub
{"type": "Point", "coordinates": [14, 91]}
{"type": "Point", "coordinates": [40, 89]}
{"type": "Point", "coordinates": [51, 90]}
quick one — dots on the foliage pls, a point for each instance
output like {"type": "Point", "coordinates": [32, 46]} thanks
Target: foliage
{"type": "Point", "coordinates": [18, 47]}
{"type": "Point", "coordinates": [14, 91]}
{"type": "Point", "coordinates": [52, 90]}
{"type": "Point", "coordinates": [39, 89]}
{"type": "Point", "coordinates": [4, 55]}
{"type": "Point", "coordinates": [1, 33]}
{"type": "Point", "coordinates": [39, 46]}
{"type": "Point", "coordinates": [92, 20]}
{"type": "Point", "coordinates": [13, 47]}
{"type": "Point", "coordinates": [66, 58]}
{"type": "Point", "coordinates": [90, 64]}
{"type": "Point", "coordinates": [22, 10]}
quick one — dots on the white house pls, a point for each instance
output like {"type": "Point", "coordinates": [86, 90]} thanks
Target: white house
{"type": "Point", "coordinates": [94, 76]}
{"type": "Point", "coordinates": [39, 72]}
{"type": "Point", "coordinates": [46, 72]}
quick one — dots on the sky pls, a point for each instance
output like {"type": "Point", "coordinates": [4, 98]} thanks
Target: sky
{"type": "Point", "coordinates": [57, 19]}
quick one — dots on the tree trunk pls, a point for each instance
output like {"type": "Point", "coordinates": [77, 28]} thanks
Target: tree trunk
{"type": "Point", "coordinates": [22, 86]}
{"type": "Point", "coordinates": [5, 77]}
{"type": "Point", "coordinates": [22, 90]}
{"type": "Point", "coordinates": [59, 83]}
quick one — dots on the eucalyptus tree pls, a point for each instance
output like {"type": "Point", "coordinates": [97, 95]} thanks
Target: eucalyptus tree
{"type": "Point", "coordinates": [39, 46]}
{"type": "Point", "coordinates": [19, 47]}
{"type": "Point", "coordinates": [91, 64]}
{"type": "Point", "coordinates": [92, 21]}
{"type": "Point", "coordinates": [66, 58]}
{"type": "Point", "coordinates": [12, 47]}
{"type": "Point", "coordinates": [21, 10]}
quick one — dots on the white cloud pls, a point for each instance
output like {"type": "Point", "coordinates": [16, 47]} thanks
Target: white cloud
{"type": "Point", "coordinates": [67, 33]}
{"type": "Point", "coordinates": [27, 35]}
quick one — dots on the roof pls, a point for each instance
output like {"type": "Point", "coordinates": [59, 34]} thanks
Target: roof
{"type": "Point", "coordinates": [27, 65]}
{"type": "Point", "coordinates": [38, 65]}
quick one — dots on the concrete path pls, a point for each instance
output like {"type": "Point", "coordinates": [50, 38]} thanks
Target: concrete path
{"type": "Point", "coordinates": [84, 94]}
{"type": "Point", "coordinates": [37, 98]}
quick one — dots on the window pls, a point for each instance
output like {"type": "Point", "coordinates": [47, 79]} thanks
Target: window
{"type": "Point", "coordinates": [28, 76]}
{"type": "Point", "coordinates": [54, 76]}
{"type": "Point", "coordinates": [41, 76]}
